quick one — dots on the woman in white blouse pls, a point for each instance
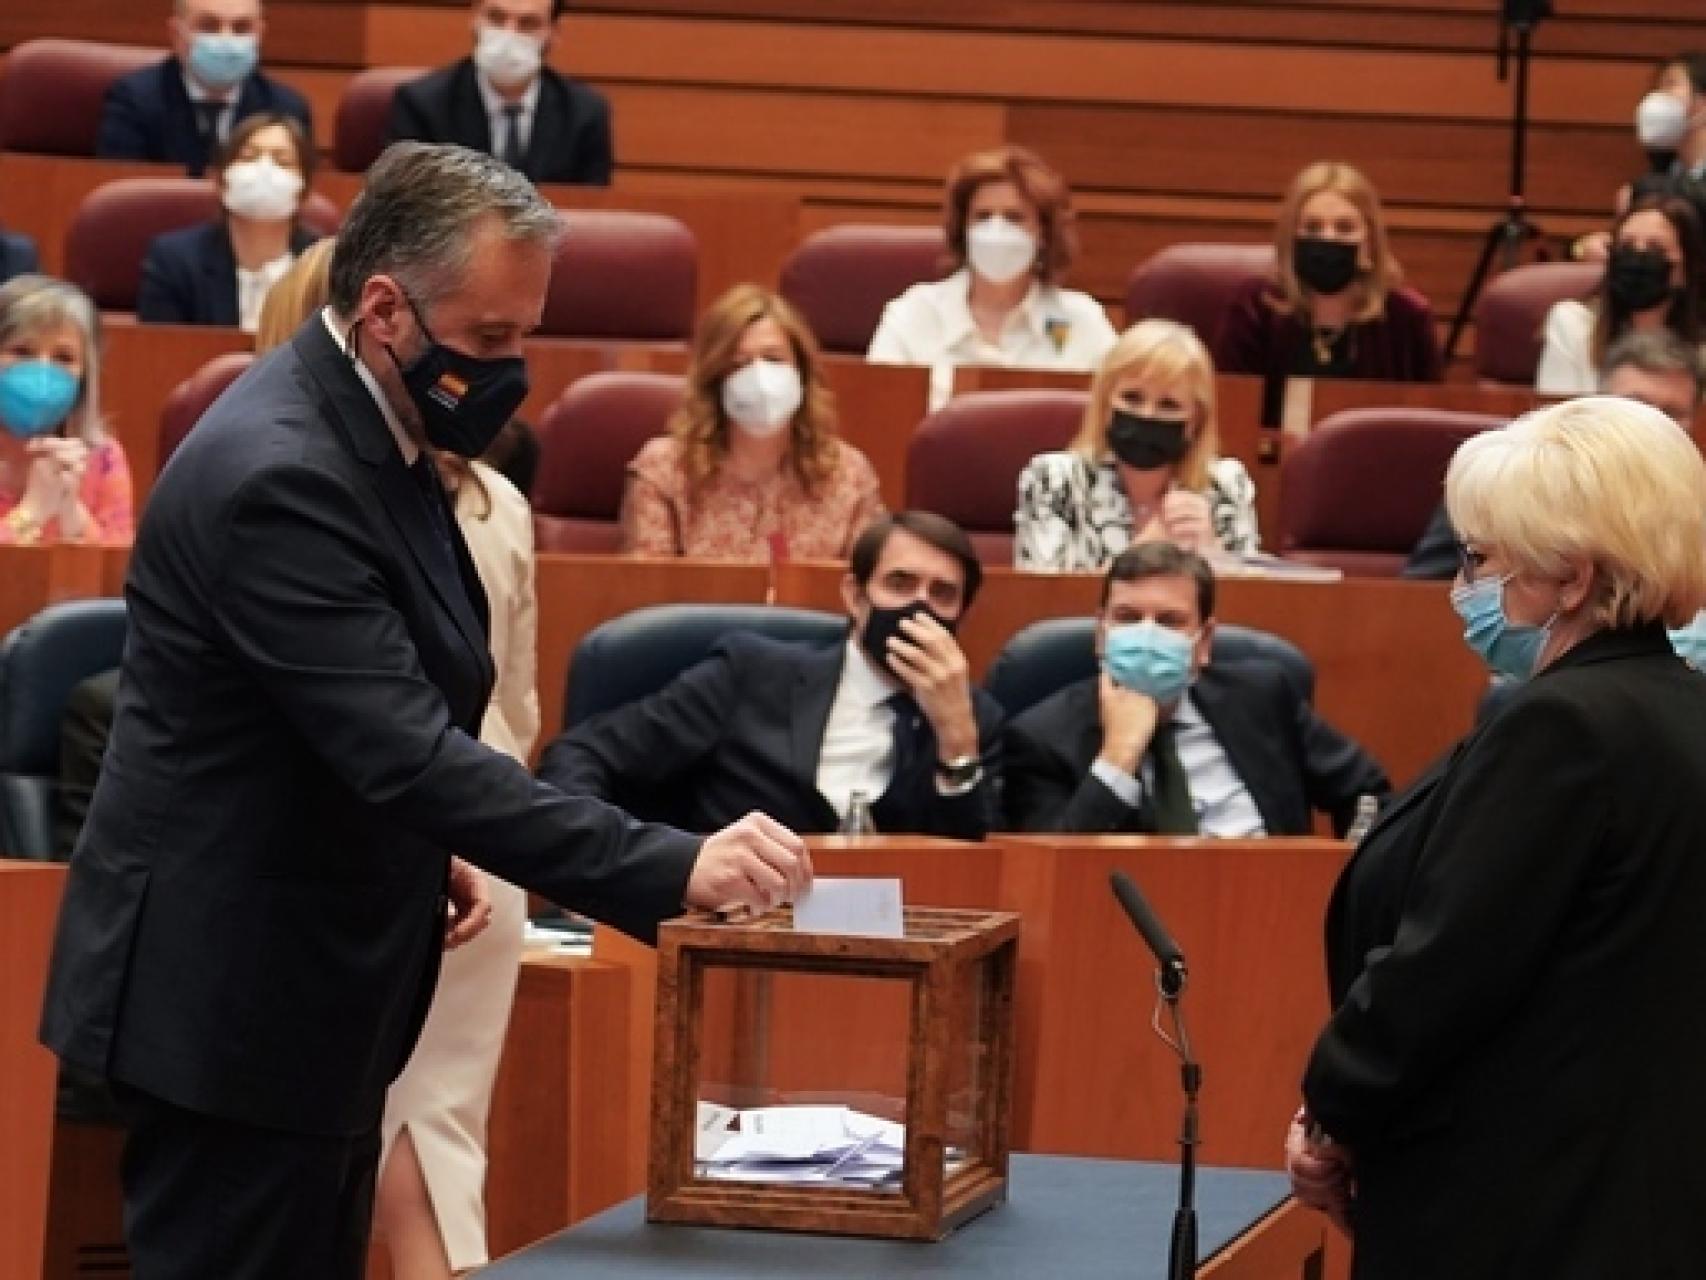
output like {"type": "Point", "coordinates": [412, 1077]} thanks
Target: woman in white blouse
{"type": "Point", "coordinates": [1009, 229]}
{"type": "Point", "coordinates": [1655, 279]}
{"type": "Point", "coordinates": [1144, 467]}
{"type": "Point", "coordinates": [219, 272]}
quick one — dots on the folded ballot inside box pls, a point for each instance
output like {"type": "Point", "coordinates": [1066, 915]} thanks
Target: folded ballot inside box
{"type": "Point", "coordinates": [824, 1081]}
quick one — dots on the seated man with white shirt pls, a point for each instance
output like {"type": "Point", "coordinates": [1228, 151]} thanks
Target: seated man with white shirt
{"type": "Point", "coordinates": [795, 731]}
{"type": "Point", "coordinates": [504, 100]}
{"type": "Point", "coordinates": [1163, 742]}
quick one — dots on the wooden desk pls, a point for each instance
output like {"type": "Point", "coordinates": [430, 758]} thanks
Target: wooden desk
{"type": "Point", "coordinates": [559, 1105]}
{"type": "Point", "coordinates": [1092, 1077]}
{"type": "Point", "coordinates": [29, 906]}
{"type": "Point", "coordinates": [33, 577]}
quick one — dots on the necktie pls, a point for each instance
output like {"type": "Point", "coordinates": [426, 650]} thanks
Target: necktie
{"type": "Point", "coordinates": [1171, 812]}
{"type": "Point", "coordinates": [908, 733]}
{"type": "Point", "coordinates": [432, 493]}
{"type": "Point", "coordinates": [510, 150]}
{"type": "Point", "coordinates": [207, 113]}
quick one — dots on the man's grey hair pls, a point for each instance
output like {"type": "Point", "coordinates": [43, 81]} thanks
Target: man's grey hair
{"type": "Point", "coordinates": [30, 306]}
{"type": "Point", "coordinates": [416, 213]}
{"type": "Point", "coordinates": [1658, 352]}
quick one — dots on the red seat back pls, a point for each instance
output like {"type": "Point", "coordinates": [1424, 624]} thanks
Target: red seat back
{"type": "Point", "coordinates": [193, 396]}
{"type": "Point", "coordinates": [111, 230]}
{"type": "Point", "coordinates": [840, 278]}
{"type": "Point", "coordinates": [1357, 494]}
{"type": "Point", "coordinates": [964, 460]}
{"type": "Point", "coordinates": [1195, 283]}
{"type": "Point", "coordinates": [364, 115]}
{"type": "Point", "coordinates": [586, 440]}
{"type": "Point", "coordinates": [623, 275]}
{"type": "Point", "coordinates": [1510, 316]}
{"type": "Point", "coordinates": [52, 91]}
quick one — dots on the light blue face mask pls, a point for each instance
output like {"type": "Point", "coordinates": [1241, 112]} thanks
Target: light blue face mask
{"type": "Point", "coordinates": [1149, 658]}
{"type": "Point", "coordinates": [1510, 648]}
{"type": "Point", "coordinates": [221, 61]}
{"type": "Point", "coordinates": [1690, 641]}
{"type": "Point", "coordinates": [36, 396]}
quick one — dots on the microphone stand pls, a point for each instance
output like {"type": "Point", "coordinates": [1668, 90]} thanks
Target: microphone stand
{"type": "Point", "coordinates": [1182, 1251]}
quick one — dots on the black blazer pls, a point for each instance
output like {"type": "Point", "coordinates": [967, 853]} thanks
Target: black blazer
{"type": "Point", "coordinates": [17, 255]}
{"type": "Point", "coordinates": [253, 918]}
{"type": "Point", "coordinates": [1435, 554]}
{"type": "Point", "coordinates": [189, 276]}
{"type": "Point", "coordinates": [1289, 758]}
{"type": "Point", "coordinates": [147, 115]}
{"type": "Point", "coordinates": [1517, 966]}
{"type": "Point", "coordinates": [570, 141]}
{"type": "Point", "coordinates": [742, 730]}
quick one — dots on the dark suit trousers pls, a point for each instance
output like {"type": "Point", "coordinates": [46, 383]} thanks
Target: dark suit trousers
{"type": "Point", "coordinates": [212, 1199]}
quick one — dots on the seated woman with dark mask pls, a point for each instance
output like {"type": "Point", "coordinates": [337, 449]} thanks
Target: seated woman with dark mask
{"type": "Point", "coordinates": [1336, 307]}
{"type": "Point", "coordinates": [219, 272]}
{"type": "Point", "coordinates": [1144, 467]}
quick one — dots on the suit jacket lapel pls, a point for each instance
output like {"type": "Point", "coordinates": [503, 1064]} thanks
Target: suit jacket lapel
{"type": "Point", "coordinates": [550, 126]}
{"type": "Point", "coordinates": [809, 703]}
{"type": "Point", "coordinates": [219, 277]}
{"type": "Point", "coordinates": [1212, 699]}
{"type": "Point", "coordinates": [370, 439]}
{"type": "Point", "coordinates": [469, 123]}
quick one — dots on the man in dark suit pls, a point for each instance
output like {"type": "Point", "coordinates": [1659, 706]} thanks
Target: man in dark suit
{"type": "Point", "coordinates": [505, 101]}
{"type": "Point", "coordinates": [251, 925]}
{"type": "Point", "coordinates": [179, 110]}
{"type": "Point", "coordinates": [1163, 741]}
{"type": "Point", "coordinates": [797, 731]}
{"type": "Point", "coordinates": [18, 255]}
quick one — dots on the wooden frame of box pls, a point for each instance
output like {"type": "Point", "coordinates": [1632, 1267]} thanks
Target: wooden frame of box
{"type": "Point", "coordinates": [940, 948]}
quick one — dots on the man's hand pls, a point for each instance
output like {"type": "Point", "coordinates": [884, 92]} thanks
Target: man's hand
{"type": "Point", "coordinates": [929, 660]}
{"type": "Point", "coordinates": [756, 863]}
{"type": "Point", "coordinates": [1322, 1174]}
{"type": "Point", "coordinates": [1128, 723]}
{"type": "Point", "coordinates": [470, 908]}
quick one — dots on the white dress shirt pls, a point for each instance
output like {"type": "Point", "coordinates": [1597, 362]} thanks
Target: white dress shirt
{"type": "Point", "coordinates": [931, 324]}
{"type": "Point", "coordinates": [497, 115]}
{"type": "Point", "coordinates": [253, 286]}
{"type": "Point", "coordinates": [405, 442]}
{"type": "Point", "coordinates": [1222, 802]}
{"type": "Point", "coordinates": [858, 738]}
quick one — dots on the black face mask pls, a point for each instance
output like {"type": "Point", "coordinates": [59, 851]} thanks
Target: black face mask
{"type": "Point", "coordinates": [1146, 443]}
{"type": "Point", "coordinates": [463, 401]}
{"type": "Point", "coordinates": [882, 624]}
{"type": "Point", "coordinates": [1324, 266]}
{"type": "Point", "coordinates": [1637, 279]}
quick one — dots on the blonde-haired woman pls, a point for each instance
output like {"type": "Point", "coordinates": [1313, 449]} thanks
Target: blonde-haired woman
{"type": "Point", "coordinates": [751, 466]}
{"type": "Point", "coordinates": [1511, 1074]}
{"type": "Point", "coordinates": [299, 293]}
{"type": "Point", "coordinates": [1336, 307]}
{"type": "Point", "coordinates": [1145, 465]}
{"type": "Point", "coordinates": [63, 478]}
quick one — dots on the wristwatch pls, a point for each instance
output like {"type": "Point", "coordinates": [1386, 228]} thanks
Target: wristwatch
{"type": "Point", "coordinates": [957, 776]}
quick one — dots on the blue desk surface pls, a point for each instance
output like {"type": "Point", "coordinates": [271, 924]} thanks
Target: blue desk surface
{"type": "Point", "coordinates": [1065, 1219]}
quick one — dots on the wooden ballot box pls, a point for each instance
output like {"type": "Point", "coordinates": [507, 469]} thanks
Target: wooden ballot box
{"type": "Point", "coordinates": [923, 1039]}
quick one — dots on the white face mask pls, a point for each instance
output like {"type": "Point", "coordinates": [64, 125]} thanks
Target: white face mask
{"type": "Point", "coordinates": [262, 190]}
{"type": "Point", "coordinates": [1661, 121]}
{"type": "Point", "coordinates": [1000, 251]}
{"type": "Point", "coordinates": [507, 57]}
{"type": "Point", "coordinates": [763, 397]}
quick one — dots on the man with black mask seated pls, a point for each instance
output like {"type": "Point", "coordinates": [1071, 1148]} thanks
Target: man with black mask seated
{"type": "Point", "coordinates": [796, 730]}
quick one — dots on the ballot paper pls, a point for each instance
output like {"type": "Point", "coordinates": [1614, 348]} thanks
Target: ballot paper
{"type": "Point", "coordinates": [803, 1144]}
{"type": "Point", "coordinates": [864, 906]}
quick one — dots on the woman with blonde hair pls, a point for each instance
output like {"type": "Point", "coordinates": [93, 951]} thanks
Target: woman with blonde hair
{"type": "Point", "coordinates": [1510, 1076]}
{"type": "Point", "coordinates": [63, 478]}
{"type": "Point", "coordinates": [1008, 223]}
{"type": "Point", "coordinates": [1144, 467]}
{"type": "Point", "coordinates": [751, 466]}
{"type": "Point", "coordinates": [301, 292]}
{"type": "Point", "coordinates": [1336, 307]}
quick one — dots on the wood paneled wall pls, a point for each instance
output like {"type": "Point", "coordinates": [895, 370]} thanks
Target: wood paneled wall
{"type": "Point", "coordinates": [1172, 121]}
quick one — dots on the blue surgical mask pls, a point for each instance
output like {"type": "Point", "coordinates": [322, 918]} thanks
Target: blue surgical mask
{"type": "Point", "coordinates": [1690, 641]}
{"type": "Point", "coordinates": [222, 61]}
{"type": "Point", "coordinates": [1149, 658]}
{"type": "Point", "coordinates": [36, 396]}
{"type": "Point", "coordinates": [1509, 648]}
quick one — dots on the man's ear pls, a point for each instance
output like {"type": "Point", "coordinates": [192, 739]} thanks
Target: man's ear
{"type": "Point", "coordinates": [1203, 650]}
{"type": "Point", "coordinates": [852, 597]}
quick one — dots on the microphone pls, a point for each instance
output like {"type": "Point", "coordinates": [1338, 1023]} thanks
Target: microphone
{"type": "Point", "coordinates": [1155, 935]}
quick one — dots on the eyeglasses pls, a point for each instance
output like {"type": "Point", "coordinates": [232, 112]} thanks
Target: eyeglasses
{"type": "Point", "coordinates": [1469, 560]}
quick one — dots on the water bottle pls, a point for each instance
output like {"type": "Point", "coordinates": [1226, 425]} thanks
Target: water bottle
{"type": "Point", "coordinates": [857, 821]}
